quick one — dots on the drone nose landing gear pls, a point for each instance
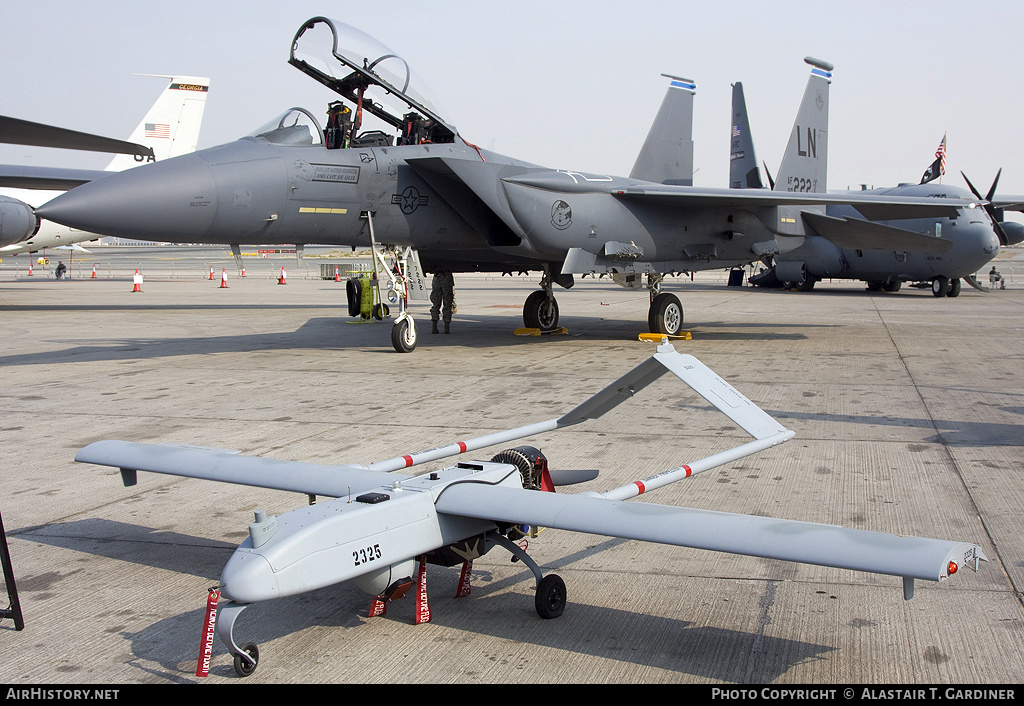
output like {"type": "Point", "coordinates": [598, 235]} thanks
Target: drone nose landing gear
{"type": "Point", "coordinates": [550, 596]}
{"type": "Point", "coordinates": [246, 656]}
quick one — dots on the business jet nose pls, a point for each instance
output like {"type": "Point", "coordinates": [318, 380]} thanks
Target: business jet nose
{"type": "Point", "coordinates": [174, 200]}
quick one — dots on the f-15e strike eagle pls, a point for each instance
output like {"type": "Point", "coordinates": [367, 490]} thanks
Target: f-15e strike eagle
{"type": "Point", "coordinates": [418, 184]}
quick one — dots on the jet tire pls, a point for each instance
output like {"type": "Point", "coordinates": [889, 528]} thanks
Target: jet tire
{"type": "Point", "coordinates": [666, 315]}
{"type": "Point", "coordinates": [540, 312]}
{"type": "Point", "coordinates": [354, 293]}
{"type": "Point", "coordinates": [940, 286]}
{"type": "Point", "coordinates": [954, 288]}
{"type": "Point", "coordinates": [550, 597]}
{"type": "Point", "coordinates": [403, 335]}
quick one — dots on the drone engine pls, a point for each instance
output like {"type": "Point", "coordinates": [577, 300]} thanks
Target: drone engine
{"type": "Point", "coordinates": [532, 465]}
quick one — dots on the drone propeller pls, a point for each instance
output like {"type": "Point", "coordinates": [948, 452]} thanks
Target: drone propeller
{"type": "Point", "coordinates": [991, 210]}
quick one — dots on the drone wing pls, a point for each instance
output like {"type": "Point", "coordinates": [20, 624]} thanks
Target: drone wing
{"type": "Point", "coordinates": [230, 467]}
{"type": "Point", "coordinates": [766, 537]}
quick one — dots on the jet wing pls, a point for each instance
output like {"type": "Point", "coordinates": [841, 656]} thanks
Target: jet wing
{"type": "Point", "coordinates": [851, 233]}
{"type": "Point", "coordinates": [46, 178]}
{"type": "Point", "coordinates": [872, 207]}
{"type": "Point", "coordinates": [230, 467]}
{"type": "Point", "coordinates": [765, 537]}
{"type": "Point", "coordinates": [23, 132]}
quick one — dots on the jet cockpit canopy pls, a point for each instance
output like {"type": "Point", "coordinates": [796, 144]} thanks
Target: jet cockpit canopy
{"type": "Point", "coordinates": [369, 76]}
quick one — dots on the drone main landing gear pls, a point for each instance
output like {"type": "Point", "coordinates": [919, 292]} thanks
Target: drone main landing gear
{"type": "Point", "coordinates": [246, 656]}
{"type": "Point", "coordinates": [550, 596]}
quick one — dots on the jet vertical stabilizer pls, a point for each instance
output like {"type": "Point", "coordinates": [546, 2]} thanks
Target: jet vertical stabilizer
{"type": "Point", "coordinates": [805, 162]}
{"type": "Point", "coordinates": [743, 171]}
{"type": "Point", "coordinates": [171, 127]}
{"type": "Point", "coordinates": [667, 154]}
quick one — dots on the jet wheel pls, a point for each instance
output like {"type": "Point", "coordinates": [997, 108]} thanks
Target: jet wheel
{"type": "Point", "coordinates": [403, 335]}
{"type": "Point", "coordinates": [244, 667]}
{"type": "Point", "coordinates": [666, 315]}
{"type": "Point", "coordinates": [540, 311]}
{"type": "Point", "coordinates": [940, 286]}
{"type": "Point", "coordinates": [954, 288]}
{"type": "Point", "coordinates": [550, 598]}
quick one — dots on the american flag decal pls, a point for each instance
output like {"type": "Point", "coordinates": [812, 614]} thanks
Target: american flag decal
{"type": "Point", "coordinates": [158, 130]}
{"type": "Point", "coordinates": [735, 130]}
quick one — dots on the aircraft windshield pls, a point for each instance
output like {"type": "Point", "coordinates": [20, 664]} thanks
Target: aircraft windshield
{"type": "Point", "coordinates": [365, 72]}
{"type": "Point", "coordinates": [296, 126]}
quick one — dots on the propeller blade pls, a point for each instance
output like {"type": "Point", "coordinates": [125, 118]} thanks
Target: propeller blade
{"type": "Point", "coordinates": [989, 209]}
{"type": "Point", "coordinates": [974, 283]}
{"type": "Point", "coordinates": [992, 191]}
{"type": "Point", "coordinates": [970, 185]}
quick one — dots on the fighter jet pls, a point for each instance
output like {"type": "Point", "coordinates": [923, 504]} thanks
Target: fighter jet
{"type": "Point", "coordinates": [417, 183]}
{"type": "Point", "coordinates": [963, 244]}
{"type": "Point", "coordinates": [169, 128]}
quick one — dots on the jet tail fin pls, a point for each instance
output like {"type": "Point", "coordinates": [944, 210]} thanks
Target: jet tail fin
{"type": "Point", "coordinates": [743, 171]}
{"type": "Point", "coordinates": [804, 165]}
{"type": "Point", "coordinates": [171, 127]}
{"type": "Point", "coordinates": [667, 154]}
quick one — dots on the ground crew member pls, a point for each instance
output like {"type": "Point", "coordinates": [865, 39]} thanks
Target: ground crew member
{"type": "Point", "coordinates": [442, 300]}
{"type": "Point", "coordinates": [995, 279]}
{"type": "Point", "coordinates": [61, 269]}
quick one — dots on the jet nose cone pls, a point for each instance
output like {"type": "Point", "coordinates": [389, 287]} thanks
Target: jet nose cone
{"type": "Point", "coordinates": [173, 200]}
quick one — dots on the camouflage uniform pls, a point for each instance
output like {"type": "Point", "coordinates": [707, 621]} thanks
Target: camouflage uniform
{"type": "Point", "coordinates": [442, 299]}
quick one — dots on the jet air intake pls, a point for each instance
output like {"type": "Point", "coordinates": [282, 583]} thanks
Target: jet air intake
{"type": "Point", "coordinates": [17, 221]}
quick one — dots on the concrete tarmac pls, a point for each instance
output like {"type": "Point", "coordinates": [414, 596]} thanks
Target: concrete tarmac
{"type": "Point", "coordinates": [908, 412]}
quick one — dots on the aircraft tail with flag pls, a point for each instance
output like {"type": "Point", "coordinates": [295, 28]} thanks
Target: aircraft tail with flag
{"type": "Point", "coordinates": [743, 171]}
{"type": "Point", "coordinates": [805, 162]}
{"type": "Point", "coordinates": [667, 154]}
{"type": "Point", "coordinates": [171, 127]}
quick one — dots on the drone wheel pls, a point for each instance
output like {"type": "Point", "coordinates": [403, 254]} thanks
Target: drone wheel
{"type": "Point", "coordinates": [550, 598]}
{"type": "Point", "coordinates": [243, 667]}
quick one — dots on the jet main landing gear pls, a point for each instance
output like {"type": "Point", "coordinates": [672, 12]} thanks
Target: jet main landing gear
{"type": "Point", "coordinates": [541, 310]}
{"type": "Point", "coordinates": [666, 312]}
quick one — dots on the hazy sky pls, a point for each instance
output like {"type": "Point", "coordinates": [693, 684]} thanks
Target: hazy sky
{"type": "Point", "coordinates": [566, 84]}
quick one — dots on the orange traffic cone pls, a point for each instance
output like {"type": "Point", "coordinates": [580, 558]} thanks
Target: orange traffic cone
{"type": "Point", "coordinates": [337, 275]}
{"type": "Point", "coordinates": [223, 278]}
{"type": "Point", "coordinates": [29, 268]}
{"type": "Point", "coordinates": [94, 271]}
{"type": "Point", "coordinates": [281, 279]}
{"type": "Point", "coordinates": [243, 272]}
{"type": "Point", "coordinates": [211, 273]}
{"type": "Point", "coordinates": [137, 280]}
